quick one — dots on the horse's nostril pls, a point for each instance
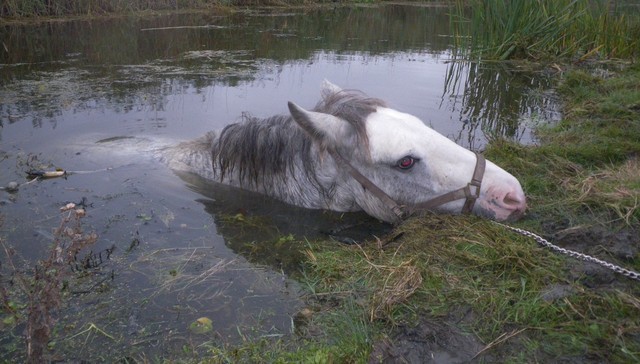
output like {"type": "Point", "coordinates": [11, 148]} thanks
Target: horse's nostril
{"type": "Point", "coordinates": [515, 200]}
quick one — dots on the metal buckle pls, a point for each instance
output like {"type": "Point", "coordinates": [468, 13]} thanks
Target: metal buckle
{"type": "Point", "coordinates": [470, 192]}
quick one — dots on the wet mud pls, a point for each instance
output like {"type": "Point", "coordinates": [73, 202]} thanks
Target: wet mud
{"type": "Point", "coordinates": [428, 341]}
{"type": "Point", "coordinates": [621, 246]}
{"type": "Point", "coordinates": [445, 340]}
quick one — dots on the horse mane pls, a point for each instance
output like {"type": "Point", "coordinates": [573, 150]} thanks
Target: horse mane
{"type": "Point", "coordinates": [269, 151]}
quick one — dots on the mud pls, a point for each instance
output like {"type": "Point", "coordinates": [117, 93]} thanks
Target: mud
{"type": "Point", "coordinates": [434, 340]}
{"type": "Point", "coordinates": [618, 247]}
{"type": "Point", "coordinates": [428, 341]}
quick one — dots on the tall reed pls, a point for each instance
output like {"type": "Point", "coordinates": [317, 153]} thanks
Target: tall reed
{"type": "Point", "coordinates": [539, 29]}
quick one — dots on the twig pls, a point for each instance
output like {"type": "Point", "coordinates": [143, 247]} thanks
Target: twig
{"type": "Point", "coordinates": [92, 326]}
{"type": "Point", "coordinates": [19, 278]}
{"type": "Point", "coordinates": [184, 27]}
{"type": "Point", "coordinates": [502, 338]}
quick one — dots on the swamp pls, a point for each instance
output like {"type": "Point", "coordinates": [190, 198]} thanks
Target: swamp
{"type": "Point", "coordinates": [120, 259]}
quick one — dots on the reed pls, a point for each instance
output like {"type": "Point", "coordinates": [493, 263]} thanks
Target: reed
{"type": "Point", "coordinates": [546, 29]}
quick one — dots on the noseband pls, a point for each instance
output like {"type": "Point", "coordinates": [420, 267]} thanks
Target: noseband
{"type": "Point", "coordinates": [470, 192]}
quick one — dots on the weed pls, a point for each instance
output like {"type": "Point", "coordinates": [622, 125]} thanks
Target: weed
{"type": "Point", "coordinates": [43, 287]}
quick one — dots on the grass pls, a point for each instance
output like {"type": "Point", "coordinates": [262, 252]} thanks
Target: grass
{"type": "Point", "coordinates": [518, 301]}
{"type": "Point", "coordinates": [589, 160]}
{"type": "Point", "coordinates": [547, 29]}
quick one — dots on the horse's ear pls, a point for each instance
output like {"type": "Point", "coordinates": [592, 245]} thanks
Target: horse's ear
{"type": "Point", "coordinates": [328, 89]}
{"type": "Point", "coordinates": [323, 128]}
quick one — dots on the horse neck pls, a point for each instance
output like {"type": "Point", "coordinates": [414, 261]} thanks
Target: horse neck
{"type": "Point", "coordinates": [273, 156]}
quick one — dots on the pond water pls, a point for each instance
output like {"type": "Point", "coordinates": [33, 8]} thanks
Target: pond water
{"type": "Point", "coordinates": [97, 96]}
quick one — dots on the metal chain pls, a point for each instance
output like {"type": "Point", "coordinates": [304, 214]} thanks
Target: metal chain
{"type": "Point", "coordinates": [545, 243]}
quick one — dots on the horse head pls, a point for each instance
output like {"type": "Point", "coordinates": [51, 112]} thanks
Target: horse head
{"type": "Point", "coordinates": [401, 156]}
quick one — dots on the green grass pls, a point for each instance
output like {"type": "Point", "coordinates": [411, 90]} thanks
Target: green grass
{"type": "Point", "coordinates": [589, 159]}
{"type": "Point", "coordinates": [468, 275]}
{"type": "Point", "coordinates": [547, 29]}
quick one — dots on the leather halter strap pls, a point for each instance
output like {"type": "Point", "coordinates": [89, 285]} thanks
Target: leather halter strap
{"type": "Point", "coordinates": [368, 185]}
{"type": "Point", "coordinates": [470, 192]}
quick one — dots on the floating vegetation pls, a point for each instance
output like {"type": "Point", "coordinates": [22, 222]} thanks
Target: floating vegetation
{"type": "Point", "coordinates": [46, 96]}
{"type": "Point", "coordinates": [91, 260]}
{"type": "Point", "coordinates": [201, 326]}
{"type": "Point", "coordinates": [184, 274]}
{"type": "Point", "coordinates": [439, 286]}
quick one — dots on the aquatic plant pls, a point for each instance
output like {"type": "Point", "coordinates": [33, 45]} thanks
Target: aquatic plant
{"type": "Point", "coordinates": [543, 29]}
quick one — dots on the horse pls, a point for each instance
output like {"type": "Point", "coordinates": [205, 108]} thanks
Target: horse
{"type": "Point", "coordinates": [352, 152]}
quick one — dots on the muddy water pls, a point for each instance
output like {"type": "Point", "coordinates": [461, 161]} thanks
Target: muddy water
{"type": "Point", "coordinates": [100, 97]}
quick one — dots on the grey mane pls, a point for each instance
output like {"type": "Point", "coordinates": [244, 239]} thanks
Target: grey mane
{"type": "Point", "coordinates": [260, 152]}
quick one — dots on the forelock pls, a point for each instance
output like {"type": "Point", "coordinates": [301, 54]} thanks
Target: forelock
{"type": "Point", "coordinates": [354, 107]}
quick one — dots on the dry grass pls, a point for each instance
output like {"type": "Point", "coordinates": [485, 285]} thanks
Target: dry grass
{"type": "Point", "coordinates": [617, 187]}
{"type": "Point", "coordinates": [401, 282]}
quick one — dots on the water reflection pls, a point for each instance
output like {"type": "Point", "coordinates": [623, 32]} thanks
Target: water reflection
{"type": "Point", "coordinates": [262, 229]}
{"type": "Point", "coordinates": [498, 100]}
{"type": "Point", "coordinates": [268, 34]}
{"type": "Point", "coordinates": [130, 64]}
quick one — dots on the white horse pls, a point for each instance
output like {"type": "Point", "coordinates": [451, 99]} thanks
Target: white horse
{"type": "Point", "coordinates": [352, 153]}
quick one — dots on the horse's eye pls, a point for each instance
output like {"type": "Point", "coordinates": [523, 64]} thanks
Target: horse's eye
{"type": "Point", "coordinates": [406, 162]}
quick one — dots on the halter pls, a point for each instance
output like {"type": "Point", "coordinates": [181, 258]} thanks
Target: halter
{"type": "Point", "coordinates": [470, 192]}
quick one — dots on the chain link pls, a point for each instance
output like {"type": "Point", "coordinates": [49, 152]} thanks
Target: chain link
{"type": "Point", "coordinates": [545, 243]}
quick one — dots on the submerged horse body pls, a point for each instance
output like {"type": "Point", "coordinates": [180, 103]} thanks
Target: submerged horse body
{"type": "Point", "coordinates": [295, 158]}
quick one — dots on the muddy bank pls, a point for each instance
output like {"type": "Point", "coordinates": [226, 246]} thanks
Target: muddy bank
{"type": "Point", "coordinates": [452, 337]}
